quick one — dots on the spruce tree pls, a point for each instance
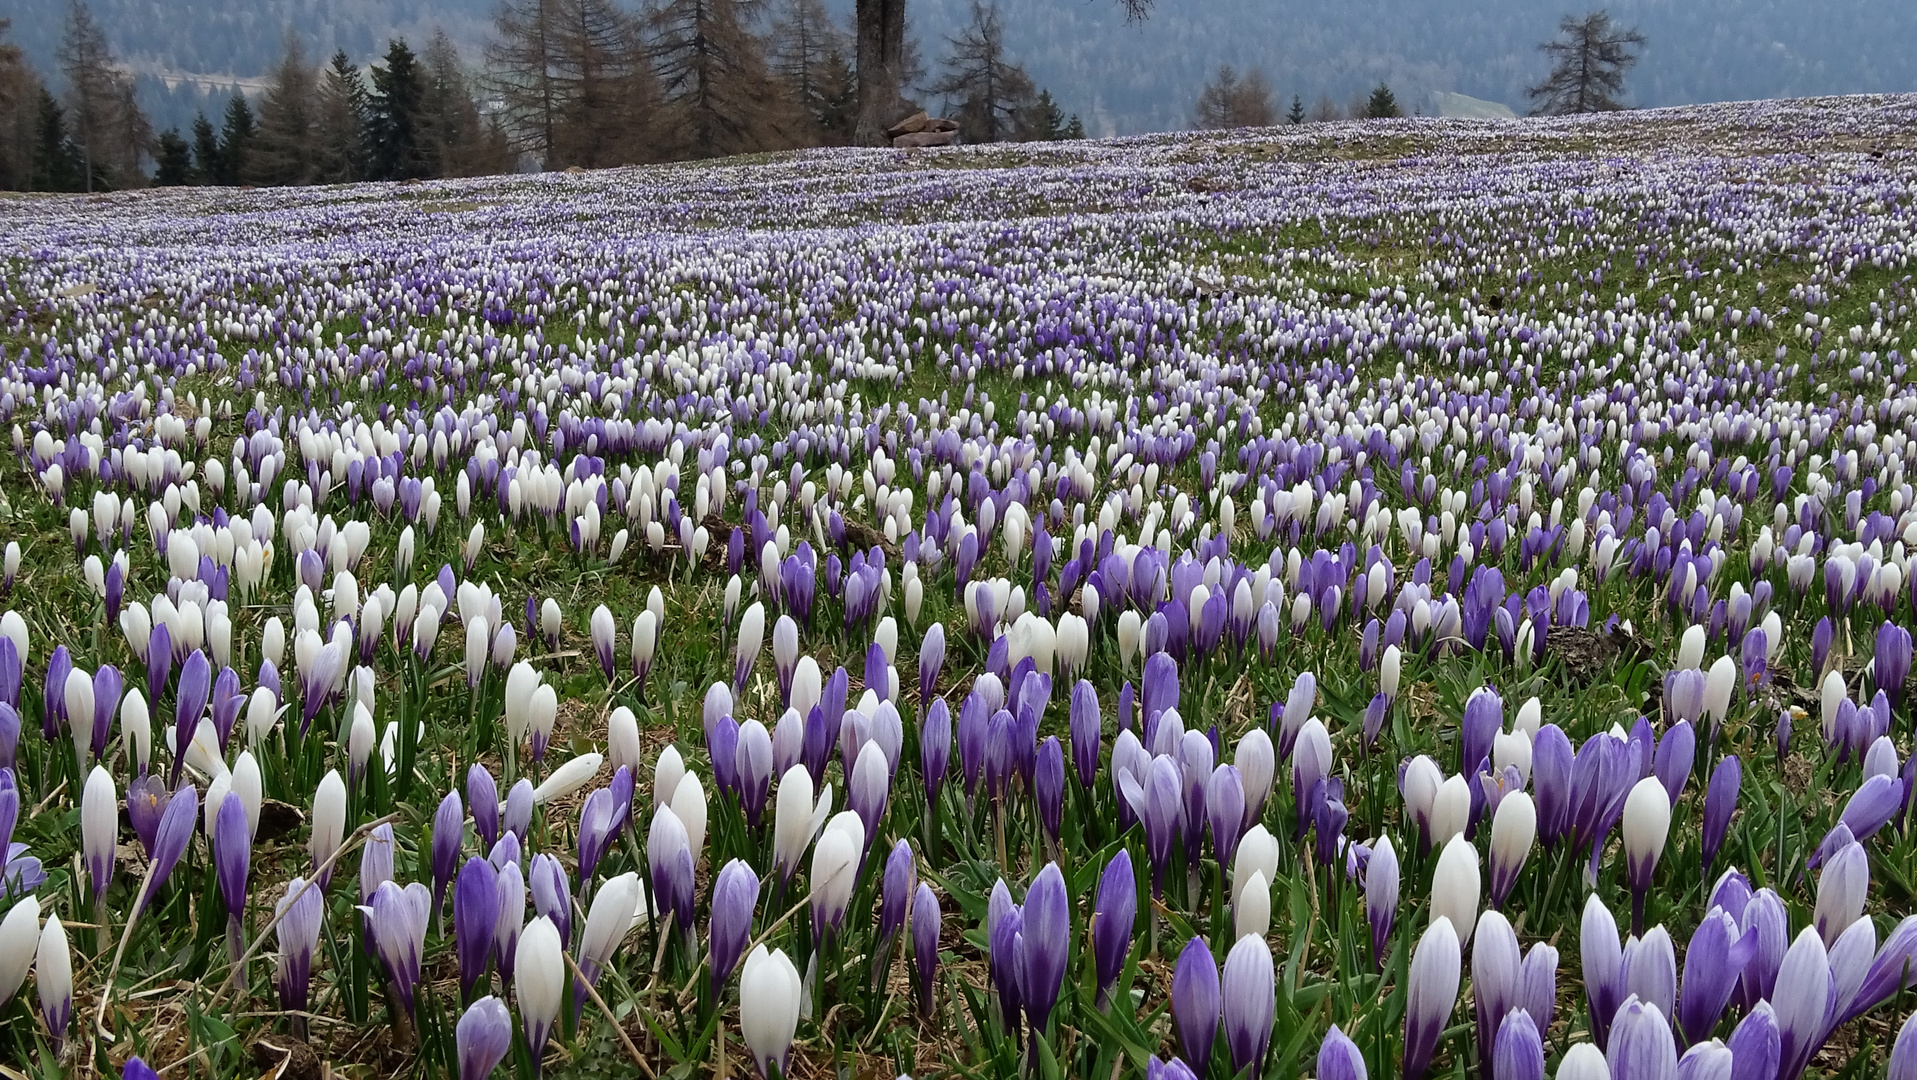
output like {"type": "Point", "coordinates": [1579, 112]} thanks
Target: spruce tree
{"type": "Point", "coordinates": [207, 168]}
{"type": "Point", "coordinates": [1297, 113]}
{"type": "Point", "coordinates": [1382, 104]}
{"type": "Point", "coordinates": [237, 135]}
{"type": "Point", "coordinates": [174, 160]}
{"type": "Point", "coordinates": [56, 161]}
{"type": "Point", "coordinates": [339, 123]}
{"type": "Point", "coordinates": [392, 129]}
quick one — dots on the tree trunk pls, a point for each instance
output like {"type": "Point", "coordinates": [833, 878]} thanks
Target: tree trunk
{"type": "Point", "coordinates": [881, 52]}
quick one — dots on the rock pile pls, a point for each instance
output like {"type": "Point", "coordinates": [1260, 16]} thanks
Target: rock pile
{"type": "Point", "coordinates": [922, 130]}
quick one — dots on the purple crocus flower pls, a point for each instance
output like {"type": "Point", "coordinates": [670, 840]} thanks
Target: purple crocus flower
{"type": "Point", "coordinates": [1339, 1058]}
{"type": "Point", "coordinates": [735, 895]}
{"type": "Point", "coordinates": [1802, 1002]}
{"type": "Point", "coordinates": [1043, 945]}
{"type": "Point", "coordinates": [931, 660]}
{"type": "Point", "coordinates": [1720, 802]}
{"type": "Point", "coordinates": [1756, 1045]}
{"type": "Point", "coordinates": [475, 920]}
{"type": "Point", "coordinates": [175, 830]}
{"type": "Point", "coordinates": [107, 686]}
{"type": "Point", "coordinates": [1641, 1047]}
{"type": "Point", "coordinates": [54, 703]}
{"type": "Point", "coordinates": [297, 931]}
{"type": "Point", "coordinates": [1892, 660]}
{"type": "Point", "coordinates": [482, 798]}
{"type": "Point", "coordinates": [552, 894]}
{"type": "Point", "coordinates": [1249, 987]}
{"type": "Point", "coordinates": [896, 888]}
{"type": "Point", "coordinates": [1003, 922]}
{"type": "Point", "coordinates": [232, 853]}
{"type": "Point", "coordinates": [159, 661]}
{"type": "Point", "coordinates": [1225, 807]}
{"type": "Point", "coordinates": [146, 800]}
{"type": "Point", "coordinates": [1086, 732]}
{"type": "Point", "coordinates": [1196, 1004]}
{"type": "Point", "coordinates": [1603, 967]}
{"type": "Point", "coordinates": [1048, 786]}
{"type": "Point", "coordinates": [1381, 897]}
{"type": "Point", "coordinates": [396, 919]}
{"type": "Point", "coordinates": [1518, 1053]}
{"type": "Point", "coordinates": [670, 859]}
{"type": "Point", "coordinates": [1114, 913]}
{"type": "Point", "coordinates": [483, 1037]}
{"type": "Point", "coordinates": [935, 749]}
{"type": "Point", "coordinates": [1718, 953]}
{"type": "Point", "coordinates": [1433, 992]}
{"type": "Point", "coordinates": [449, 829]}
{"type": "Point", "coordinates": [925, 945]}
{"type": "Point", "coordinates": [1156, 802]}
{"type": "Point", "coordinates": [1676, 752]}
{"type": "Point", "coordinates": [196, 680]}
{"type": "Point", "coordinates": [599, 820]}
{"type": "Point", "coordinates": [1875, 802]}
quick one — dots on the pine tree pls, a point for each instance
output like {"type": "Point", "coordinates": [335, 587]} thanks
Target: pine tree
{"type": "Point", "coordinates": [392, 129]}
{"type": "Point", "coordinates": [108, 128]}
{"type": "Point", "coordinates": [57, 165]}
{"type": "Point", "coordinates": [1074, 128]}
{"type": "Point", "coordinates": [992, 91]}
{"type": "Point", "coordinates": [1046, 120]}
{"type": "Point", "coordinates": [286, 151]}
{"type": "Point", "coordinates": [713, 76]}
{"type": "Point", "coordinates": [174, 160]}
{"type": "Point", "coordinates": [1588, 60]}
{"type": "Point", "coordinates": [1382, 104]}
{"type": "Point", "coordinates": [207, 166]}
{"type": "Point", "coordinates": [237, 136]}
{"type": "Point", "coordinates": [339, 123]}
{"type": "Point", "coordinates": [1297, 113]}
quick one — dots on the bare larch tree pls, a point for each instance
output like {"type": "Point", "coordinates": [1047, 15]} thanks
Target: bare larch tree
{"type": "Point", "coordinates": [110, 131]}
{"type": "Point", "coordinates": [880, 29]}
{"type": "Point", "coordinates": [1588, 60]}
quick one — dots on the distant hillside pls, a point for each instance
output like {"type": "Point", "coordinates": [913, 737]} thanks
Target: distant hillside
{"type": "Point", "coordinates": [1143, 77]}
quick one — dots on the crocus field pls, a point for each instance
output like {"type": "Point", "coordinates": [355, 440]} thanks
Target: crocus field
{"type": "Point", "coordinates": [1423, 598]}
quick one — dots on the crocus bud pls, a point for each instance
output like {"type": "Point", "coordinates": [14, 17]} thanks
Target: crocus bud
{"type": "Point", "coordinates": [1455, 885]}
{"type": "Point", "coordinates": [603, 631]}
{"type": "Point", "coordinates": [1720, 802]}
{"type": "Point", "coordinates": [539, 981]}
{"type": "Point", "coordinates": [483, 1037]}
{"type": "Point", "coordinates": [1195, 1003]}
{"type": "Point", "coordinates": [1249, 985]}
{"type": "Point", "coordinates": [1339, 1058]}
{"type": "Point", "coordinates": [735, 895]}
{"type": "Point", "coordinates": [1436, 965]}
{"type": "Point", "coordinates": [475, 920]}
{"type": "Point", "coordinates": [1641, 1042]}
{"type": "Point", "coordinates": [1513, 829]}
{"type": "Point", "coordinates": [1647, 822]}
{"type": "Point", "coordinates": [769, 992]}
{"type": "Point", "coordinates": [99, 828]}
{"type": "Point", "coordinates": [1381, 896]}
{"type": "Point", "coordinates": [925, 945]}
{"type": "Point", "coordinates": [19, 937]}
{"type": "Point", "coordinates": [53, 975]}
{"type": "Point", "coordinates": [329, 823]}
{"type": "Point", "coordinates": [297, 931]}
